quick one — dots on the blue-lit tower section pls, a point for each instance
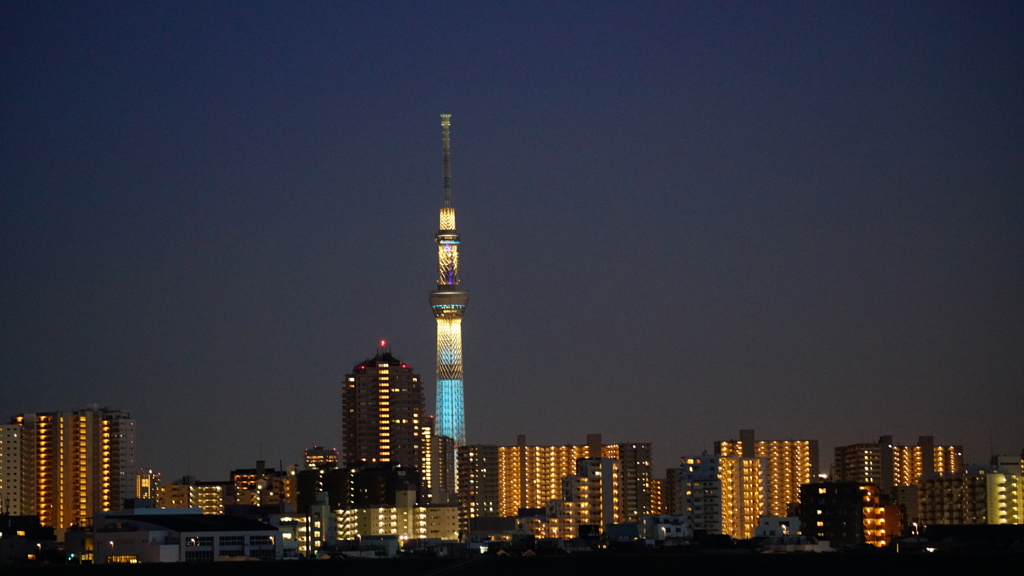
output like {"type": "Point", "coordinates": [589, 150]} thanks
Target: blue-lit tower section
{"type": "Point", "coordinates": [449, 304]}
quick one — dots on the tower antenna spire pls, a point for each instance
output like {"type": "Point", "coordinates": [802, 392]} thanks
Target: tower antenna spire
{"type": "Point", "coordinates": [446, 122]}
{"type": "Point", "coordinates": [449, 305]}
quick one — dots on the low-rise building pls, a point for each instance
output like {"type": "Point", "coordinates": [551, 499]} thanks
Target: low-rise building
{"type": "Point", "coordinates": [24, 540]}
{"type": "Point", "coordinates": [661, 527]}
{"type": "Point", "coordinates": [181, 535]}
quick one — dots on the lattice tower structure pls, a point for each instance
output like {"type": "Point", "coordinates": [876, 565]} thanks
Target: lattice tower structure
{"type": "Point", "coordinates": [449, 304]}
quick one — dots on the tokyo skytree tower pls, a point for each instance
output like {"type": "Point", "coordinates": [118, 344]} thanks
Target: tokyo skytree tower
{"type": "Point", "coordinates": [449, 304]}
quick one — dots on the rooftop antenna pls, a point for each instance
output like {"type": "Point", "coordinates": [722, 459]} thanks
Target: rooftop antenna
{"type": "Point", "coordinates": [446, 122]}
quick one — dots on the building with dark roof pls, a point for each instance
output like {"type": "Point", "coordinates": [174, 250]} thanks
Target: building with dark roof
{"type": "Point", "coordinates": [181, 535]}
{"type": "Point", "coordinates": [382, 406]}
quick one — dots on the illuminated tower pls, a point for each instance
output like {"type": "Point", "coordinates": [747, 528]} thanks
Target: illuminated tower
{"type": "Point", "coordinates": [449, 304]}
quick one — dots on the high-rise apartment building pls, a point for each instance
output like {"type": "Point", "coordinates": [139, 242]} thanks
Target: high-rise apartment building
{"type": "Point", "coordinates": [672, 492]}
{"type": "Point", "coordinates": [637, 490]}
{"type": "Point", "coordinates": [449, 304]}
{"type": "Point", "coordinates": [992, 494]}
{"type": "Point", "coordinates": [439, 467]}
{"type": "Point", "coordinates": [480, 485]}
{"type": "Point", "coordinates": [499, 481]}
{"type": "Point", "coordinates": [382, 413]}
{"type": "Point", "coordinates": [70, 464]}
{"type": "Point", "coordinates": [13, 470]}
{"type": "Point", "coordinates": [790, 464]}
{"type": "Point", "coordinates": [590, 497]}
{"type": "Point", "coordinates": [724, 494]}
{"type": "Point", "coordinates": [890, 466]}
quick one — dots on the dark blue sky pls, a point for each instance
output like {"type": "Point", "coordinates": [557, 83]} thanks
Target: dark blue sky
{"type": "Point", "coordinates": [678, 219]}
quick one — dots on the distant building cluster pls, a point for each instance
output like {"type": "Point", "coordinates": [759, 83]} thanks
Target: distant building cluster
{"type": "Point", "coordinates": [71, 489]}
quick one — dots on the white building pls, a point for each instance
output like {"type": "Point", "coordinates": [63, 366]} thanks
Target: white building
{"type": "Point", "coordinates": [181, 535]}
{"type": "Point", "coordinates": [724, 494]}
{"type": "Point", "coordinates": [772, 526]}
{"type": "Point", "coordinates": [659, 527]}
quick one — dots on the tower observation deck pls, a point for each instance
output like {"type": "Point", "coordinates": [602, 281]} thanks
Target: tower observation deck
{"type": "Point", "coordinates": [449, 305]}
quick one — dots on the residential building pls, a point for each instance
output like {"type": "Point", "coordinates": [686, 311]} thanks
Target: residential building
{"type": "Point", "coordinates": [480, 485]}
{"type": "Point", "coordinates": [320, 458]}
{"type": "Point", "coordinates": [147, 484]}
{"type": "Point", "coordinates": [15, 473]}
{"type": "Point", "coordinates": [724, 494]}
{"type": "Point", "coordinates": [849, 513]}
{"type": "Point", "coordinates": [888, 465]}
{"type": "Point", "coordinates": [383, 413]}
{"type": "Point", "coordinates": [638, 492]}
{"type": "Point", "coordinates": [70, 464]}
{"type": "Point", "coordinates": [672, 492]}
{"type": "Point", "coordinates": [262, 486]}
{"type": "Point", "coordinates": [499, 481]}
{"type": "Point", "coordinates": [209, 497]}
{"type": "Point", "coordinates": [992, 494]}
{"type": "Point", "coordinates": [590, 498]}
{"type": "Point", "coordinates": [790, 464]}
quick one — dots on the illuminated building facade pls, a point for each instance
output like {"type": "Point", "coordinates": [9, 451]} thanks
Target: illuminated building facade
{"type": "Point", "coordinates": [890, 466]}
{"type": "Point", "coordinates": [380, 500]}
{"type": "Point", "coordinates": [210, 497]}
{"type": "Point", "coordinates": [991, 494]}
{"type": "Point", "coordinates": [590, 497]}
{"type": "Point", "coordinates": [480, 484]}
{"type": "Point", "coordinates": [72, 464]}
{"type": "Point", "coordinates": [848, 513]}
{"type": "Point", "coordinates": [530, 476]}
{"type": "Point", "coordinates": [404, 519]}
{"type": "Point", "coordinates": [320, 458]}
{"type": "Point", "coordinates": [382, 413]}
{"type": "Point", "coordinates": [657, 497]}
{"type": "Point", "coordinates": [147, 484]}
{"type": "Point", "coordinates": [498, 481]}
{"type": "Point", "coordinates": [449, 304]}
{"type": "Point", "coordinates": [439, 467]}
{"type": "Point", "coordinates": [262, 486]}
{"type": "Point", "coordinates": [638, 490]}
{"type": "Point", "coordinates": [724, 494]}
{"type": "Point", "coordinates": [790, 464]}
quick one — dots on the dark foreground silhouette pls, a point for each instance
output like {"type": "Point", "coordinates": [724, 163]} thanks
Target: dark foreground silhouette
{"type": "Point", "coordinates": [860, 564]}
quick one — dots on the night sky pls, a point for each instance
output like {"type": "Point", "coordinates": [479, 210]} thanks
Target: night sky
{"type": "Point", "coordinates": [678, 219]}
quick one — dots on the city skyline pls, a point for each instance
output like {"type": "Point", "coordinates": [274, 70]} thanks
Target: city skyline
{"type": "Point", "coordinates": [680, 220]}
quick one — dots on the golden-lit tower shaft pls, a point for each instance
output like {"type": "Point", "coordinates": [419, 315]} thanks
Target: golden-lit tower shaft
{"type": "Point", "coordinates": [449, 305]}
